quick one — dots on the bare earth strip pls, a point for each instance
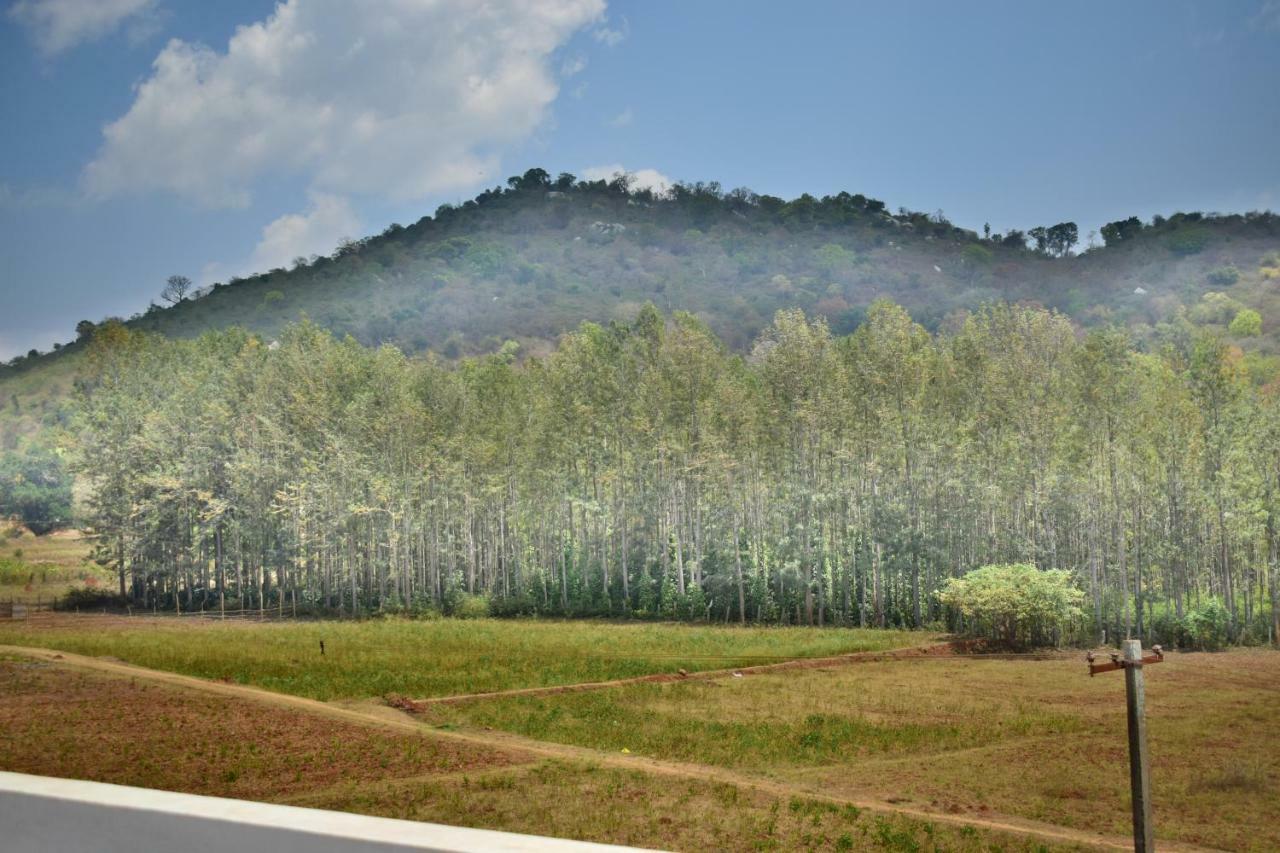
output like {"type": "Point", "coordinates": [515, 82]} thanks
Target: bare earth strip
{"type": "Point", "coordinates": [525, 749]}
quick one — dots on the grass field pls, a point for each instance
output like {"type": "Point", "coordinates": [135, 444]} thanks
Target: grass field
{"type": "Point", "coordinates": [153, 736]}
{"type": "Point", "coordinates": [440, 657]}
{"type": "Point", "coordinates": [1035, 739]}
{"type": "Point", "coordinates": [61, 722]}
{"type": "Point", "coordinates": [42, 568]}
{"type": "Point", "coordinates": [630, 807]}
{"type": "Point", "coordinates": [771, 722]}
{"type": "Point", "coordinates": [940, 737]}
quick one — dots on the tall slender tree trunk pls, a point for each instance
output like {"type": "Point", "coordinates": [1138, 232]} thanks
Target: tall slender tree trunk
{"type": "Point", "coordinates": [737, 570]}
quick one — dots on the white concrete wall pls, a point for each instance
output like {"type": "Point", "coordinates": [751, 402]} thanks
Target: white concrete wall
{"type": "Point", "coordinates": [39, 814]}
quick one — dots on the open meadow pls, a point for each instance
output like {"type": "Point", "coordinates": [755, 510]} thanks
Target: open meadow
{"type": "Point", "coordinates": [1037, 739]}
{"type": "Point", "coordinates": [881, 750]}
{"type": "Point", "coordinates": [437, 657]}
{"type": "Point", "coordinates": [62, 721]}
{"type": "Point", "coordinates": [35, 569]}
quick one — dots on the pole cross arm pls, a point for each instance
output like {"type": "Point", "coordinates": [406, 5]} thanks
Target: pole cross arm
{"type": "Point", "coordinates": [1116, 662]}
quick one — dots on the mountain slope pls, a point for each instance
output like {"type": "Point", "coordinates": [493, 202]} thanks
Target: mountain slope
{"type": "Point", "coordinates": [536, 259]}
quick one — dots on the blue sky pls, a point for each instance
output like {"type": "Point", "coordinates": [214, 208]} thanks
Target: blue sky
{"type": "Point", "coordinates": [142, 141]}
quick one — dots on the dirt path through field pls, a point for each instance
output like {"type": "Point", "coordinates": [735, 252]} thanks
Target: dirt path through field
{"type": "Point", "coordinates": [531, 750]}
{"type": "Point", "coordinates": [699, 675]}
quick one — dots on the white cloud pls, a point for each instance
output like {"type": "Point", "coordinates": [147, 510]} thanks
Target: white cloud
{"type": "Point", "coordinates": [622, 119]}
{"type": "Point", "coordinates": [59, 25]}
{"type": "Point", "coordinates": [209, 273]}
{"type": "Point", "coordinates": [573, 66]}
{"type": "Point", "coordinates": [610, 36]}
{"type": "Point", "coordinates": [641, 179]}
{"type": "Point", "coordinates": [394, 97]}
{"type": "Point", "coordinates": [317, 231]}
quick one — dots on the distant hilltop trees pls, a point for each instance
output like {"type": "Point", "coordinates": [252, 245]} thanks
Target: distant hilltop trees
{"type": "Point", "coordinates": [532, 258]}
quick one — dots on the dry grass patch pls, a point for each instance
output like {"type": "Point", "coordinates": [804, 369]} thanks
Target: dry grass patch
{"type": "Point", "coordinates": [66, 548]}
{"type": "Point", "coordinates": [630, 807]}
{"type": "Point", "coordinates": [56, 721]}
{"type": "Point", "coordinates": [42, 568]}
{"type": "Point", "coordinates": [59, 721]}
{"type": "Point", "coordinates": [1034, 739]}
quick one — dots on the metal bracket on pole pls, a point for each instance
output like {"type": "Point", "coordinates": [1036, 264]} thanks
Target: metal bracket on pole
{"type": "Point", "coordinates": [1117, 662]}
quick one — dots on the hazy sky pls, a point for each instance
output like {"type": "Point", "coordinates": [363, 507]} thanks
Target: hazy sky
{"type": "Point", "coordinates": [149, 137]}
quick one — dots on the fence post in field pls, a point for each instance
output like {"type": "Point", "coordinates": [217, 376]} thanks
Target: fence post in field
{"type": "Point", "coordinates": [1139, 762]}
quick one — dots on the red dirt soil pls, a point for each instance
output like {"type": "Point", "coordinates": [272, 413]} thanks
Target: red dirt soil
{"type": "Point", "coordinates": [56, 721]}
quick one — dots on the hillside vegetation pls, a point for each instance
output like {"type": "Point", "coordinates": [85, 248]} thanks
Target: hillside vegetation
{"type": "Point", "coordinates": [1112, 414]}
{"type": "Point", "coordinates": [645, 469]}
{"type": "Point", "coordinates": [532, 261]}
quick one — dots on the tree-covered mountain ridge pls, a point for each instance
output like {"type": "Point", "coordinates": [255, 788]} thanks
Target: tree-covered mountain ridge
{"type": "Point", "coordinates": [534, 259]}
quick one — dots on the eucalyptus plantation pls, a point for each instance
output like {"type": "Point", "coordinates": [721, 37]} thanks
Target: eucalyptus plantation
{"type": "Point", "coordinates": [644, 469]}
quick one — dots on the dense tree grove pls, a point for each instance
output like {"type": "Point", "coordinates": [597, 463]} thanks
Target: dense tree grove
{"type": "Point", "coordinates": [647, 470]}
{"type": "Point", "coordinates": [35, 488]}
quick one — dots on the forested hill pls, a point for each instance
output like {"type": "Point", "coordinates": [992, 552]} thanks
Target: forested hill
{"type": "Point", "coordinates": [843, 472]}
{"type": "Point", "coordinates": [535, 259]}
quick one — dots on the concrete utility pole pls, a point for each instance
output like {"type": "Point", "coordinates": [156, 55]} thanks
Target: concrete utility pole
{"type": "Point", "coordinates": [1139, 763]}
{"type": "Point", "coordinates": [1139, 766]}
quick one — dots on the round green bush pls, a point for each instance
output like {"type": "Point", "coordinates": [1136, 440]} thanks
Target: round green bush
{"type": "Point", "coordinates": [471, 606]}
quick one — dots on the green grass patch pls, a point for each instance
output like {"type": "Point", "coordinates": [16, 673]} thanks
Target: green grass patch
{"type": "Point", "coordinates": [442, 657]}
{"type": "Point", "coordinates": [42, 568]}
{"type": "Point", "coordinates": [1036, 739]}
{"type": "Point", "coordinates": [759, 723]}
{"type": "Point", "coordinates": [19, 572]}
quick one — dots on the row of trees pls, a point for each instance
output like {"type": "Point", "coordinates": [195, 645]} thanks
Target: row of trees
{"type": "Point", "coordinates": [1055, 240]}
{"type": "Point", "coordinates": [645, 469]}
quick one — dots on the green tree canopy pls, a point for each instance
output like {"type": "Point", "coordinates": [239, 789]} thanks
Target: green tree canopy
{"type": "Point", "coordinates": [36, 488]}
{"type": "Point", "coordinates": [1121, 230]}
{"type": "Point", "coordinates": [1246, 324]}
{"type": "Point", "coordinates": [1015, 603]}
